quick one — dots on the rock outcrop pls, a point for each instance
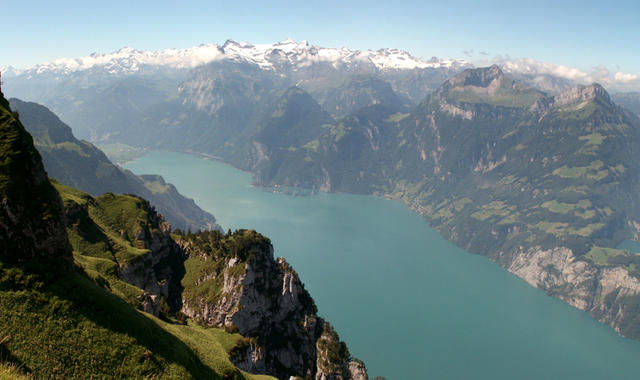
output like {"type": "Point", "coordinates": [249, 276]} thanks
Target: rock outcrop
{"type": "Point", "coordinates": [240, 287]}
{"type": "Point", "coordinates": [611, 295]}
{"type": "Point", "coordinates": [159, 271]}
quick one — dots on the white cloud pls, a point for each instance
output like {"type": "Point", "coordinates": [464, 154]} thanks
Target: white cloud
{"type": "Point", "coordinates": [601, 74]}
{"type": "Point", "coordinates": [625, 77]}
{"type": "Point", "coordinates": [530, 66]}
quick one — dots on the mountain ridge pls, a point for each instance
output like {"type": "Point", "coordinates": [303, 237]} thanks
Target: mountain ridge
{"type": "Point", "coordinates": [82, 165]}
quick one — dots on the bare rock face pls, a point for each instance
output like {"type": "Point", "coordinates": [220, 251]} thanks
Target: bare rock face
{"type": "Point", "coordinates": [575, 98]}
{"type": "Point", "coordinates": [484, 77]}
{"type": "Point", "coordinates": [264, 300]}
{"type": "Point", "coordinates": [557, 272]}
{"type": "Point", "coordinates": [610, 295]}
{"type": "Point", "coordinates": [357, 370]}
{"type": "Point", "coordinates": [580, 94]}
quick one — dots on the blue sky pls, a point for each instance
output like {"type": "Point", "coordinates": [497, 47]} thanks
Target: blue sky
{"type": "Point", "coordinates": [582, 34]}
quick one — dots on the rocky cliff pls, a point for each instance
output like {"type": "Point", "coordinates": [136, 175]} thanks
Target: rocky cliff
{"type": "Point", "coordinates": [162, 266]}
{"type": "Point", "coordinates": [234, 282]}
{"type": "Point", "coordinates": [609, 294]}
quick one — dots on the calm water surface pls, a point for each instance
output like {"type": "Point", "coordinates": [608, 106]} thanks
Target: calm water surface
{"type": "Point", "coordinates": [406, 301]}
{"type": "Point", "coordinates": [630, 245]}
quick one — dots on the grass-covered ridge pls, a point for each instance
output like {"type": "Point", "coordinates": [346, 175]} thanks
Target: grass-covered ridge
{"type": "Point", "coordinates": [115, 223]}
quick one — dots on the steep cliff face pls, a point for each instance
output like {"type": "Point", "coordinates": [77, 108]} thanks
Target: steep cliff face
{"type": "Point", "coordinates": [159, 271]}
{"type": "Point", "coordinates": [333, 359]}
{"type": "Point", "coordinates": [609, 294]}
{"type": "Point", "coordinates": [234, 282]}
{"type": "Point", "coordinates": [31, 226]}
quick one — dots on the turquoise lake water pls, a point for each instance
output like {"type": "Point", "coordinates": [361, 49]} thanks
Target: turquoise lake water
{"type": "Point", "coordinates": [630, 245]}
{"type": "Point", "coordinates": [406, 301]}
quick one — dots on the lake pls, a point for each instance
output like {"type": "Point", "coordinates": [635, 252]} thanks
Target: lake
{"type": "Point", "coordinates": [407, 302]}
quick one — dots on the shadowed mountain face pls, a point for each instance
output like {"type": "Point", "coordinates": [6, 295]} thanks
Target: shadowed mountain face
{"type": "Point", "coordinates": [359, 92]}
{"type": "Point", "coordinates": [82, 165]}
{"type": "Point", "coordinates": [31, 217]}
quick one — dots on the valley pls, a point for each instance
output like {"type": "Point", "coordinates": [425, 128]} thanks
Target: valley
{"type": "Point", "coordinates": [525, 168]}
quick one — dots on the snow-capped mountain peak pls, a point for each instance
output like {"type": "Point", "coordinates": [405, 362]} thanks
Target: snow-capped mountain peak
{"type": "Point", "coordinates": [8, 71]}
{"type": "Point", "coordinates": [267, 56]}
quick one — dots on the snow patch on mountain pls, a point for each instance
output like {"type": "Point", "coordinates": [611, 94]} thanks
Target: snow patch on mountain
{"type": "Point", "coordinates": [129, 60]}
{"type": "Point", "coordinates": [8, 71]}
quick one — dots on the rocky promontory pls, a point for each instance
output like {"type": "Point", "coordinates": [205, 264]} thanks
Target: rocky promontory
{"type": "Point", "coordinates": [234, 282]}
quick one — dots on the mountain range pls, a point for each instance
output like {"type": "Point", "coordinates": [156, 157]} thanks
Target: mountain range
{"type": "Point", "coordinates": [129, 95]}
{"type": "Point", "coordinates": [268, 56]}
{"type": "Point", "coordinates": [532, 170]}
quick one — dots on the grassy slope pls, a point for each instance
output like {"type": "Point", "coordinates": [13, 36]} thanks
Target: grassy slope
{"type": "Point", "coordinates": [10, 371]}
{"type": "Point", "coordinates": [72, 321]}
{"type": "Point", "coordinates": [112, 214]}
{"type": "Point", "coordinates": [76, 329]}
